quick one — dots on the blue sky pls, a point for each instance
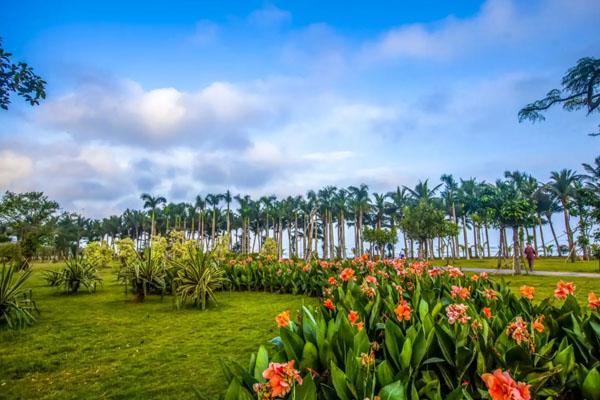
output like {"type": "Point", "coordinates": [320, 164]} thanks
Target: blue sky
{"type": "Point", "coordinates": [281, 97]}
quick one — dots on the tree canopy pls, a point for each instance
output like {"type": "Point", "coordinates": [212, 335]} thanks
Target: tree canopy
{"type": "Point", "coordinates": [580, 90]}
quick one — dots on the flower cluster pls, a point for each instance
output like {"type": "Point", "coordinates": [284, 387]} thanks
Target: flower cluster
{"type": "Point", "coordinates": [501, 386]}
{"type": "Point", "coordinates": [564, 289]}
{"type": "Point", "coordinates": [457, 312]}
{"type": "Point", "coordinates": [280, 380]}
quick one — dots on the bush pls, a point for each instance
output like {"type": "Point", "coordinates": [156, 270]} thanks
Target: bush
{"type": "Point", "coordinates": [78, 272]}
{"type": "Point", "coordinates": [98, 254]}
{"type": "Point", "coordinates": [198, 277]}
{"type": "Point", "coordinates": [269, 248]}
{"type": "Point", "coordinates": [16, 304]}
{"type": "Point", "coordinates": [145, 275]}
{"type": "Point", "coordinates": [10, 253]}
{"type": "Point", "coordinates": [126, 251]}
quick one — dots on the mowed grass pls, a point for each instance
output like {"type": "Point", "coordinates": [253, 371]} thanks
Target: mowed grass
{"type": "Point", "coordinates": [104, 345]}
{"type": "Point", "coordinates": [541, 264]}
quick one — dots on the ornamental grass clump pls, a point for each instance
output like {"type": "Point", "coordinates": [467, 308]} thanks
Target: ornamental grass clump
{"type": "Point", "coordinates": [17, 307]}
{"type": "Point", "coordinates": [393, 330]}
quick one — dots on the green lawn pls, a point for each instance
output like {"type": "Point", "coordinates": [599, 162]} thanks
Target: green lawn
{"type": "Point", "coordinates": [545, 285]}
{"type": "Point", "coordinates": [106, 346]}
{"type": "Point", "coordinates": [541, 264]}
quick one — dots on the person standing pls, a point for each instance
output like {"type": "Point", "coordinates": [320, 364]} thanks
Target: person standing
{"type": "Point", "coordinates": [530, 254]}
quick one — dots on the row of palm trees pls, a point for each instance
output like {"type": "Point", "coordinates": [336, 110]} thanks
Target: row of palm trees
{"type": "Point", "coordinates": [319, 222]}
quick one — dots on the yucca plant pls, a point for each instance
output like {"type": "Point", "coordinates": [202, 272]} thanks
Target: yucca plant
{"type": "Point", "coordinates": [198, 278]}
{"type": "Point", "coordinates": [145, 275]}
{"type": "Point", "coordinates": [16, 304]}
{"type": "Point", "coordinates": [77, 273]}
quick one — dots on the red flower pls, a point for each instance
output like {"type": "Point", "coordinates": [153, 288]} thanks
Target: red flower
{"type": "Point", "coordinates": [527, 291]}
{"type": "Point", "coordinates": [501, 386]}
{"type": "Point", "coordinates": [353, 317]}
{"type": "Point", "coordinates": [347, 274]}
{"type": "Point", "coordinates": [403, 311]}
{"type": "Point", "coordinates": [332, 280]}
{"type": "Point", "coordinates": [281, 378]}
{"type": "Point", "coordinates": [329, 304]}
{"type": "Point", "coordinates": [593, 301]}
{"type": "Point", "coordinates": [283, 319]}
{"type": "Point", "coordinates": [487, 312]}
{"type": "Point", "coordinates": [459, 291]}
{"type": "Point", "coordinates": [564, 289]}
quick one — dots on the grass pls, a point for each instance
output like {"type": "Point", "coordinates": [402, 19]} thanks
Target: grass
{"type": "Point", "coordinates": [541, 264]}
{"type": "Point", "coordinates": [106, 346]}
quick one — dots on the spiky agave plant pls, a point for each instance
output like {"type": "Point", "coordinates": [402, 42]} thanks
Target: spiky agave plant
{"type": "Point", "coordinates": [145, 274]}
{"type": "Point", "coordinates": [198, 278]}
{"type": "Point", "coordinates": [16, 304]}
{"type": "Point", "coordinates": [77, 273]}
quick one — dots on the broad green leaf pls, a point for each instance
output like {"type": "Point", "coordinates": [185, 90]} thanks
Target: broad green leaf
{"type": "Point", "coordinates": [393, 391]}
{"type": "Point", "coordinates": [262, 363]}
{"type": "Point", "coordinates": [308, 389]}
{"type": "Point", "coordinates": [310, 356]}
{"type": "Point", "coordinates": [591, 385]}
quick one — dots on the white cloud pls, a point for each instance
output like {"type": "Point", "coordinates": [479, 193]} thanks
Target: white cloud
{"type": "Point", "coordinates": [268, 16]}
{"type": "Point", "coordinates": [499, 23]}
{"type": "Point", "coordinates": [14, 167]}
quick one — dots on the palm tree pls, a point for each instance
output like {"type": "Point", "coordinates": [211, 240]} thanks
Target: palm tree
{"type": "Point", "coordinates": [360, 204]}
{"type": "Point", "coordinates": [340, 207]}
{"type": "Point", "coordinates": [449, 196]}
{"type": "Point", "coordinates": [153, 203]}
{"type": "Point", "coordinates": [400, 201]}
{"type": "Point", "coordinates": [213, 200]}
{"type": "Point", "coordinates": [562, 185]}
{"type": "Point", "coordinates": [228, 199]}
{"type": "Point", "coordinates": [244, 213]}
{"type": "Point", "coordinates": [593, 175]}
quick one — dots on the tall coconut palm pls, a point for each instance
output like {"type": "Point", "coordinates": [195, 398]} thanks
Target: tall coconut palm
{"type": "Point", "coordinates": [449, 196]}
{"type": "Point", "coordinates": [399, 201]}
{"type": "Point", "coordinates": [228, 199]}
{"type": "Point", "coordinates": [340, 208]}
{"type": "Point", "coordinates": [360, 204]}
{"type": "Point", "coordinates": [152, 203]}
{"type": "Point", "coordinates": [562, 185]}
{"type": "Point", "coordinates": [592, 176]}
{"type": "Point", "coordinates": [213, 200]}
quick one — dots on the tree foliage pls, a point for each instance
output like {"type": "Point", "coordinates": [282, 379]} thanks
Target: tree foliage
{"type": "Point", "coordinates": [580, 90]}
{"type": "Point", "coordinates": [19, 78]}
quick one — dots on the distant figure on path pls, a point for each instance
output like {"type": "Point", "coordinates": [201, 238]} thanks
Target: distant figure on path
{"type": "Point", "coordinates": [530, 254]}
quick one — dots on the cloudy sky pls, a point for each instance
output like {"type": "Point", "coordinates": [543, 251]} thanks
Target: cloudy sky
{"type": "Point", "coordinates": [280, 97]}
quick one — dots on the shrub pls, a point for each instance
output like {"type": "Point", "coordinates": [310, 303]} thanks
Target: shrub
{"type": "Point", "coordinates": [10, 253]}
{"type": "Point", "coordinates": [16, 304]}
{"type": "Point", "coordinates": [145, 275]}
{"type": "Point", "coordinates": [269, 248]}
{"type": "Point", "coordinates": [98, 254]}
{"type": "Point", "coordinates": [126, 251]}
{"type": "Point", "coordinates": [198, 277]}
{"type": "Point", "coordinates": [78, 272]}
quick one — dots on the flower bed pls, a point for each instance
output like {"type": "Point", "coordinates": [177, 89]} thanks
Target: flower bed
{"type": "Point", "coordinates": [387, 330]}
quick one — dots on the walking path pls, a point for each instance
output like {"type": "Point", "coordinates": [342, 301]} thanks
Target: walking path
{"type": "Point", "coordinates": [534, 273]}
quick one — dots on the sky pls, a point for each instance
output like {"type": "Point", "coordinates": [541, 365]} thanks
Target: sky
{"type": "Point", "coordinates": [186, 98]}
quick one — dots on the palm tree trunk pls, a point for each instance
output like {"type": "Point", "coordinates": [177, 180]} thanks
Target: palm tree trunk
{"type": "Point", "coordinates": [465, 238]}
{"type": "Point", "coordinates": [487, 240]}
{"type": "Point", "coordinates": [569, 232]}
{"type": "Point", "coordinates": [516, 252]}
{"type": "Point", "coordinates": [542, 234]}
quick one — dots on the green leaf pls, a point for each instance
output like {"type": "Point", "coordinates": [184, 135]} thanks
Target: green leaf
{"type": "Point", "coordinates": [292, 344]}
{"type": "Point", "coordinates": [235, 391]}
{"type": "Point", "coordinates": [393, 391]}
{"type": "Point", "coordinates": [310, 356]}
{"type": "Point", "coordinates": [262, 363]}
{"type": "Point", "coordinates": [339, 382]}
{"type": "Point", "coordinates": [445, 344]}
{"type": "Point", "coordinates": [308, 389]}
{"type": "Point", "coordinates": [591, 385]}
{"type": "Point", "coordinates": [385, 374]}
{"type": "Point", "coordinates": [406, 354]}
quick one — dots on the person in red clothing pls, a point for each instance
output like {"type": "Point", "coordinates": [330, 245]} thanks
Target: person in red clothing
{"type": "Point", "coordinates": [530, 254]}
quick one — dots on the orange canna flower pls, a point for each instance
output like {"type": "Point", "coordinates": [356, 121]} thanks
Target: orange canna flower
{"type": "Point", "coordinates": [501, 386]}
{"type": "Point", "coordinates": [487, 312]}
{"type": "Point", "coordinates": [490, 294]}
{"type": "Point", "coordinates": [593, 301]}
{"type": "Point", "coordinates": [332, 280]}
{"type": "Point", "coordinates": [281, 378]}
{"type": "Point", "coordinates": [347, 274]}
{"type": "Point", "coordinates": [403, 311]}
{"type": "Point", "coordinates": [283, 319]}
{"type": "Point", "coordinates": [518, 330]}
{"type": "Point", "coordinates": [564, 289]}
{"type": "Point", "coordinates": [329, 304]}
{"type": "Point", "coordinates": [360, 326]}
{"type": "Point", "coordinates": [371, 279]}
{"type": "Point", "coordinates": [365, 257]}
{"type": "Point", "coordinates": [475, 277]}
{"type": "Point", "coordinates": [459, 291]}
{"type": "Point", "coordinates": [538, 324]}
{"type": "Point", "coordinates": [527, 291]}
{"type": "Point", "coordinates": [353, 316]}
